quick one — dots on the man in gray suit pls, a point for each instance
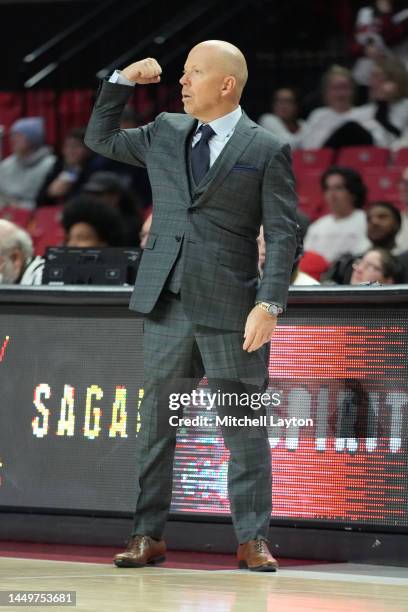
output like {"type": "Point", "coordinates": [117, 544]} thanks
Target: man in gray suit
{"type": "Point", "coordinates": [215, 177]}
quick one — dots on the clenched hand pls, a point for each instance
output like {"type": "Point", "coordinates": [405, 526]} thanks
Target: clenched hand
{"type": "Point", "coordinates": [143, 72]}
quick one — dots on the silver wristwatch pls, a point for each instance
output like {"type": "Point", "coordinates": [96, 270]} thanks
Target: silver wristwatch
{"type": "Point", "coordinates": [272, 309]}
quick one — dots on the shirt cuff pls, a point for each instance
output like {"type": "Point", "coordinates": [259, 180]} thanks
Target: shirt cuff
{"type": "Point", "coordinates": [117, 77]}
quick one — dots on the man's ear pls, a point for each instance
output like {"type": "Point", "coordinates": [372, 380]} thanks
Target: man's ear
{"type": "Point", "coordinates": [228, 85]}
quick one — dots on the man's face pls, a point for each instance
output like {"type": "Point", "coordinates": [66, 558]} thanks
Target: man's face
{"type": "Point", "coordinates": [369, 269]}
{"type": "Point", "coordinates": [74, 152]}
{"type": "Point", "coordinates": [11, 265]}
{"type": "Point", "coordinates": [285, 105]}
{"type": "Point", "coordinates": [337, 196]}
{"type": "Point", "coordinates": [202, 83]}
{"type": "Point", "coordinates": [339, 91]}
{"type": "Point", "coordinates": [19, 144]}
{"type": "Point", "coordinates": [381, 224]}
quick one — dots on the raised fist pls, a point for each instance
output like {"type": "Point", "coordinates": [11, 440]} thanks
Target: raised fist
{"type": "Point", "coordinates": [144, 71]}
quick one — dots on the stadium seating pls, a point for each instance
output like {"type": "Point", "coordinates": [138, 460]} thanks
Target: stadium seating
{"type": "Point", "coordinates": [19, 216]}
{"type": "Point", "coordinates": [401, 158]}
{"type": "Point", "coordinates": [361, 158]}
{"type": "Point", "coordinates": [45, 228]}
{"type": "Point", "coordinates": [382, 184]}
{"type": "Point", "coordinates": [305, 160]}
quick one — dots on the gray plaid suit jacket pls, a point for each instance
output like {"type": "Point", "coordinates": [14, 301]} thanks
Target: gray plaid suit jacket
{"type": "Point", "coordinates": [215, 223]}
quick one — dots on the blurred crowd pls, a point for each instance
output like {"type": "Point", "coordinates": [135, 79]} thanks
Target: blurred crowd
{"type": "Point", "coordinates": [349, 238]}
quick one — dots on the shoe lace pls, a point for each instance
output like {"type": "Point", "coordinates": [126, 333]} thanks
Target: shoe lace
{"type": "Point", "coordinates": [259, 545]}
{"type": "Point", "coordinates": [134, 540]}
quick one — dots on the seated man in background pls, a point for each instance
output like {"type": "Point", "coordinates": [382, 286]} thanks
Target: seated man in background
{"type": "Point", "coordinates": [376, 266]}
{"type": "Point", "coordinates": [23, 172]}
{"type": "Point", "coordinates": [344, 229]}
{"type": "Point", "coordinates": [383, 225]}
{"type": "Point", "coordinates": [70, 171]}
{"type": "Point", "coordinates": [91, 224]}
{"type": "Point", "coordinates": [17, 261]}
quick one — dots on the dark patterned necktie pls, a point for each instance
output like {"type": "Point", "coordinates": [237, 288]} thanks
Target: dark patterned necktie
{"type": "Point", "coordinates": [200, 154]}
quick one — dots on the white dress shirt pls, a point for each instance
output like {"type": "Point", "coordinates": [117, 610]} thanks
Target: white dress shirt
{"type": "Point", "coordinates": [223, 126]}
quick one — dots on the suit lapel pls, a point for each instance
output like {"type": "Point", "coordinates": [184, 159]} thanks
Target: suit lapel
{"type": "Point", "coordinates": [236, 145]}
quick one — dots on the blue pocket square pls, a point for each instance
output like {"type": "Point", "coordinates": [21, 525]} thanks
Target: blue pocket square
{"type": "Point", "coordinates": [245, 168]}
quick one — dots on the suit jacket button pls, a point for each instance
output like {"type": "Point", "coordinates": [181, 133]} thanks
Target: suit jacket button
{"type": "Point", "coordinates": [178, 238]}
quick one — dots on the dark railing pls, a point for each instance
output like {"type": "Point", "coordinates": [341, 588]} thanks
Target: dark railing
{"type": "Point", "coordinates": [97, 33]}
{"type": "Point", "coordinates": [61, 36]}
{"type": "Point", "coordinates": [159, 36]}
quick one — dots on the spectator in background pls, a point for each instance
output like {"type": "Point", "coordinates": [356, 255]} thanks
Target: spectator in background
{"type": "Point", "coordinates": [23, 172]}
{"type": "Point", "coordinates": [108, 187]}
{"type": "Point", "coordinates": [70, 171]}
{"type": "Point", "coordinates": [17, 261]}
{"type": "Point", "coordinates": [402, 236]}
{"type": "Point", "coordinates": [383, 225]}
{"type": "Point", "coordinates": [376, 266]}
{"type": "Point", "coordinates": [344, 229]}
{"type": "Point", "coordinates": [89, 223]}
{"type": "Point", "coordinates": [386, 115]}
{"type": "Point", "coordinates": [380, 29]}
{"type": "Point", "coordinates": [335, 125]}
{"type": "Point", "coordinates": [284, 119]}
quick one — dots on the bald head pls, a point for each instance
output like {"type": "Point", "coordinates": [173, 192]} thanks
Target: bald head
{"type": "Point", "coordinates": [227, 58]}
{"type": "Point", "coordinates": [214, 76]}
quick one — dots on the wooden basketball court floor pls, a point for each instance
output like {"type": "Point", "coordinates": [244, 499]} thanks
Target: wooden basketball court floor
{"type": "Point", "coordinates": [102, 587]}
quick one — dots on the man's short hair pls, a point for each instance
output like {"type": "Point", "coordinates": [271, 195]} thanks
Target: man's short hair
{"type": "Point", "coordinates": [352, 182]}
{"type": "Point", "coordinates": [15, 238]}
{"type": "Point", "coordinates": [393, 209]}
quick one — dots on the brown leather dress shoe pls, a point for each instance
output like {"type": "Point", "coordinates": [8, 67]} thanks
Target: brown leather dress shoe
{"type": "Point", "coordinates": [140, 551]}
{"type": "Point", "coordinates": [255, 555]}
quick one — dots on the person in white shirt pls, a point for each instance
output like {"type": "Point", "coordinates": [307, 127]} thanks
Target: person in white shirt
{"type": "Point", "coordinates": [284, 119]}
{"type": "Point", "coordinates": [386, 115]}
{"type": "Point", "coordinates": [344, 230]}
{"type": "Point", "coordinates": [322, 126]}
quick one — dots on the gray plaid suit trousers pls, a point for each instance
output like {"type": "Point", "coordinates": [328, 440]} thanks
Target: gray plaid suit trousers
{"type": "Point", "coordinates": [177, 352]}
